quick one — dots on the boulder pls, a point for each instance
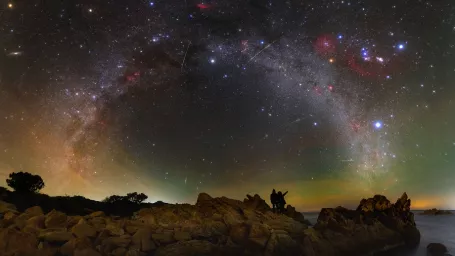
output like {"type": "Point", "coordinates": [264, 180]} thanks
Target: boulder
{"type": "Point", "coordinates": [73, 220]}
{"type": "Point", "coordinates": [35, 222]}
{"type": "Point", "coordinates": [98, 222]}
{"type": "Point", "coordinates": [436, 249]}
{"type": "Point", "coordinates": [117, 241]}
{"type": "Point", "coordinates": [83, 229]}
{"type": "Point", "coordinates": [280, 243]}
{"type": "Point", "coordinates": [96, 214]}
{"type": "Point", "coordinates": [45, 249]}
{"type": "Point", "coordinates": [55, 219]}
{"type": "Point", "coordinates": [259, 234]}
{"type": "Point", "coordinates": [114, 230]}
{"type": "Point", "coordinates": [56, 236]}
{"type": "Point", "coordinates": [21, 220]}
{"type": "Point", "coordinates": [70, 247]}
{"type": "Point", "coordinates": [143, 239]}
{"type": "Point", "coordinates": [34, 211]}
{"type": "Point", "coordinates": [14, 242]}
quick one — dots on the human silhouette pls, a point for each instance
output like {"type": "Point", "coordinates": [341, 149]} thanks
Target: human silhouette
{"type": "Point", "coordinates": [281, 201]}
{"type": "Point", "coordinates": [274, 200]}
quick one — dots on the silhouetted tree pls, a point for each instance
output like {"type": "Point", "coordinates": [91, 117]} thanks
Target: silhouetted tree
{"type": "Point", "coordinates": [131, 197]}
{"type": "Point", "coordinates": [136, 198]}
{"type": "Point", "coordinates": [113, 199]}
{"type": "Point", "coordinates": [25, 182]}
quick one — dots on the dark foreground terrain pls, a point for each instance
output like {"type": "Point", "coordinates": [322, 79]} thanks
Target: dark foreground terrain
{"type": "Point", "coordinates": [213, 226]}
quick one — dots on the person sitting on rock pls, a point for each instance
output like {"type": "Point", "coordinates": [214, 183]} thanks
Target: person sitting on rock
{"type": "Point", "coordinates": [274, 200]}
{"type": "Point", "coordinates": [281, 201]}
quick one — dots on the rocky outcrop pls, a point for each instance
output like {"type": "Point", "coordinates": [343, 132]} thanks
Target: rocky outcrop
{"type": "Point", "coordinates": [213, 226]}
{"type": "Point", "coordinates": [435, 211]}
{"type": "Point", "coordinates": [437, 249]}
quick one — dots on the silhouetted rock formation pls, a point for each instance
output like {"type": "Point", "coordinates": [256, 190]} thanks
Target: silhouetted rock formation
{"type": "Point", "coordinates": [436, 249]}
{"type": "Point", "coordinates": [435, 211]}
{"type": "Point", "coordinates": [375, 225]}
{"type": "Point", "coordinates": [213, 226]}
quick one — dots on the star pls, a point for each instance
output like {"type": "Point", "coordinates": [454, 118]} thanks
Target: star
{"type": "Point", "coordinates": [10, 5]}
{"type": "Point", "coordinates": [378, 124]}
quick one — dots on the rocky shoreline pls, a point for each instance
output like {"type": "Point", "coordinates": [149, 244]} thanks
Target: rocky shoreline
{"type": "Point", "coordinates": [213, 226]}
{"type": "Point", "coordinates": [435, 211]}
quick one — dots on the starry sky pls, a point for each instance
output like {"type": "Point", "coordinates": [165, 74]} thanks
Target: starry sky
{"type": "Point", "coordinates": [330, 100]}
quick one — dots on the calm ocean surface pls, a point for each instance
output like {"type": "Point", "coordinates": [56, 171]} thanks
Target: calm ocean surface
{"type": "Point", "coordinates": [433, 229]}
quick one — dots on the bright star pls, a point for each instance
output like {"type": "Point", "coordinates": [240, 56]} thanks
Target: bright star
{"type": "Point", "coordinates": [152, 3]}
{"type": "Point", "coordinates": [378, 125]}
{"type": "Point", "coordinates": [212, 60]}
{"type": "Point", "coordinates": [90, 10]}
{"type": "Point", "coordinates": [401, 46]}
{"type": "Point", "coordinates": [10, 5]}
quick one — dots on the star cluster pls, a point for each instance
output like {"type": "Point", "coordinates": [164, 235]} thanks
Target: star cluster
{"type": "Point", "coordinates": [328, 100]}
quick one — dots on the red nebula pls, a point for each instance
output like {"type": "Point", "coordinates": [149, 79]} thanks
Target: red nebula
{"type": "Point", "coordinates": [317, 89]}
{"type": "Point", "coordinates": [203, 6]}
{"type": "Point", "coordinates": [355, 126]}
{"type": "Point", "coordinates": [325, 45]}
{"type": "Point", "coordinates": [133, 77]}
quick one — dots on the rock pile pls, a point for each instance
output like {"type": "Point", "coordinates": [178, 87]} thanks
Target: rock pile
{"type": "Point", "coordinates": [213, 226]}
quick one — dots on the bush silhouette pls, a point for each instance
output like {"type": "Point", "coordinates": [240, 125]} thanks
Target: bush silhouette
{"type": "Point", "coordinates": [136, 198]}
{"type": "Point", "coordinates": [130, 197]}
{"type": "Point", "coordinates": [25, 182]}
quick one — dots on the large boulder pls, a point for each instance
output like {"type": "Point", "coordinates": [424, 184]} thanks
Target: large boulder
{"type": "Point", "coordinates": [55, 219]}
{"type": "Point", "coordinates": [14, 242]}
{"type": "Point", "coordinates": [143, 240]}
{"type": "Point", "coordinates": [375, 224]}
{"type": "Point", "coordinates": [83, 229]}
{"type": "Point", "coordinates": [34, 211]}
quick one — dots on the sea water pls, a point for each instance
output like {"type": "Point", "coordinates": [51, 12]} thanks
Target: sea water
{"type": "Point", "coordinates": [433, 229]}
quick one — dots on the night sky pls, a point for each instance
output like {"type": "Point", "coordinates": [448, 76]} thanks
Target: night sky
{"type": "Point", "coordinates": [330, 100]}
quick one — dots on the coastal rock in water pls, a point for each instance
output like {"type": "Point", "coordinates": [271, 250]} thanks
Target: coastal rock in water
{"type": "Point", "coordinates": [435, 211]}
{"type": "Point", "coordinates": [436, 249]}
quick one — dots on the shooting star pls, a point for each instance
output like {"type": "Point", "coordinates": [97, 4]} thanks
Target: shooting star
{"type": "Point", "coordinates": [184, 58]}
{"type": "Point", "coordinates": [263, 49]}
